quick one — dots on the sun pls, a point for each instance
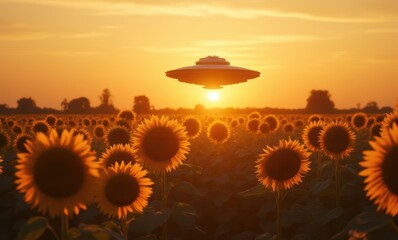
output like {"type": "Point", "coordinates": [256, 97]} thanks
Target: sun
{"type": "Point", "coordinates": [213, 96]}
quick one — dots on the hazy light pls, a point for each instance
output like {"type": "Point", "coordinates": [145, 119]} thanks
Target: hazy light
{"type": "Point", "coordinates": [213, 96]}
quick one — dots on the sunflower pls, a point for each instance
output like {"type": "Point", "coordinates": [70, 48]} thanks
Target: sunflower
{"type": "Point", "coordinates": [241, 120]}
{"type": "Point", "coordinates": [234, 123]}
{"type": "Point", "coordinates": [218, 132]}
{"type": "Point", "coordinates": [380, 165]}
{"type": "Point", "coordinates": [298, 123]}
{"type": "Point", "coordinates": [127, 115]}
{"type": "Point", "coordinates": [117, 153]}
{"type": "Point", "coordinates": [41, 126]}
{"type": "Point", "coordinates": [311, 135]}
{"type": "Point", "coordinates": [123, 189]}
{"type": "Point", "coordinates": [193, 127]}
{"type": "Point", "coordinates": [99, 131]}
{"type": "Point", "coordinates": [283, 166]}
{"type": "Point", "coordinates": [288, 128]}
{"type": "Point", "coordinates": [17, 129]}
{"type": "Point", "coordinates": [254, 115]}
{"type": "Point", "coordinates": [160, 143]}
{"type": "Point", "coordinates": [388, 121]}
{"type": "Point", "coordinates": [314, 118]}
{"type": "Point", "coordinates": [124, 123]}
{"type": "Point", "coordinates": [118, 135]}
{"type": "Point", "coordinates": [57, 174]}
{"type": "Point", "coordinates": [337, 140]}
{"type": "Point", "coordinates": [4, 139]}
{"type": "Point", "coordinates": [86, 134]}
{"type": "Point", "coordinates": [51, 119]}
{"type": "Point", "coordinates": [252, 125]}
{"type": "Point", "coordinates": [86, 122]}
{"type": "Point", "coordinates": [20, 142]}
{"type": "Point", "coordinates": [273, 122]}
{"type": "Point", "coordinates": [264, 128]}
{"type": "Point", "coordinates": [359, 121]}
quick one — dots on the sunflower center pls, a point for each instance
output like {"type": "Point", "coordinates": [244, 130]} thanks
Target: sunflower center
{"type": "Point", "coordinates": [99, 132]}
{"type": "Point", "coordinates": [253, 125]}
{"type": "Point", "coordinates": [160, 144]}
{"type": "Point", "coordinates": [119, 157]}
{"type": "Point", "coordinates": [389, 170]}
{"type": "Point", "coordinates": [337, 139]}
{"type": "Point", "coordinates": [359, 121]}
{"type": "Point", "coordinates": [122, 190]}
{"type": "Point", "coordinates": [40, 127]}
{"type": "Point", "coordinates": [3, 140]}
{"type": "Point", "coordinates": [395, 120]}
{"type": "Point", "coordinates": [59, 172]}
{"type": "Point", "coordinates": [218, 132]}
{"type": "Point", "coordinates": [283, 164]}
{"type": "Point", "coordinates": [118, 136]}
{"type": "Point", "coordinates": [288, 128]}
{"type": "Point", "coordinates": [313, 136]}
{"type": "Point", "coordinates": [192, 126]}
{"type": "Point", "coordinates": [264, 128]}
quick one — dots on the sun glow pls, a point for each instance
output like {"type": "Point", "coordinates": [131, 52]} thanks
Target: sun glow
{"type": "Point", "coordinates": [213, 96]}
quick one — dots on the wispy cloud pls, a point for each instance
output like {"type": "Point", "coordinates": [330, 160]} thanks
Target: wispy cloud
{"type": "Point", "coordinates": [85, 35]}
{"type": "Point", "coordinates": [382, 30]}
{"type": "Point", "coordinates": [189, 9]}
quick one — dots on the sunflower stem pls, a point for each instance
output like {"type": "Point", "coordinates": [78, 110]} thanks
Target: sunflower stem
{"type": "Point", "coordinates": [64, 226]}
{"type": "Point", "coordinates": [337, 181]}
{"type": "Point", "coordinates": [53, 232]}
{"type": "Point", "coordinates": [124, 226]}
{"type": "Point", "coordinates": [318, 163]}
{"type": "Point", "coordinates": [164, 200]}
{"type": "Point", "coordinates": [278, 201]}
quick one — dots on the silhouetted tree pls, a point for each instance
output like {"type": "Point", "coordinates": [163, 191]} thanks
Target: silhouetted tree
{"type": "Point", "coordinates": [199, 108]}
{"type": "Point", "coordinates": [319, 102]}
{"type": "Point", "coordinates": [106, 97]}
{"type": "Point", "coordinates": [79, 105]}
{"type": "Point", "coordinates": [26, 105]}
{"type": "Point", "coordinates": [141, 104]}
{"type": "Point", "coordinates": [371, 107]}
{"type": "Point", "coordinates": [64, 105]}
{"type": "Point", "coordinates": [106, 106]}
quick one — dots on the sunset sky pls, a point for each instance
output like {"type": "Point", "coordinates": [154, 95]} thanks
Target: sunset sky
{"type": "Point", "coordinates": [56, 49]}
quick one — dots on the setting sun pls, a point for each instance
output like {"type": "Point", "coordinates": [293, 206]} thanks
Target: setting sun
{"type": "Point", "coordinates": [213, 96]}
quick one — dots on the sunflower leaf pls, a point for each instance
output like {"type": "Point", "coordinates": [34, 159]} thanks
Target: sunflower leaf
{"type": "Point", "coordinates": [258, 190]}
{"type": "Point", "coordinates": [34, 228]}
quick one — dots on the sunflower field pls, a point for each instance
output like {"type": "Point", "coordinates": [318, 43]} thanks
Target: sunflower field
{"type": "Point", "coordinates": [235, 177]}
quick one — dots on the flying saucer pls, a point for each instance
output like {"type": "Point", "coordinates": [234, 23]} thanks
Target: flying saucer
{"type": "Point", "coordinates": [212, 72]}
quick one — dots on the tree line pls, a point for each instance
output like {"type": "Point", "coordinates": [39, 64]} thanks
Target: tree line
{"type": "Point", "coordinates": [319, 101]}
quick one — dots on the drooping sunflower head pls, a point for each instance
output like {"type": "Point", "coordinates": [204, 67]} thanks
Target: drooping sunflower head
{"type": "Point", "coordinates": [41, 126]}
{"type": "Point", "coordinates": [123, 188]}
{"type": "Point", "coordinates": [218, 132]}
{"type": "Point", "coordinates": [282, 166]}
{"type": "Point", "coordinates": [118, 135]}
{"type": "Point", "coordinates": [124, 123]}
{"type": "Point", "coordinates": [337, 140]}
{"type": "Point", "coordinates": [4, 139]}
{"type": "Point", "coordinates": [252, 125]}
{"type": "Point", "coordinates": [117, 153]}
{"type": "Point", "coordinates": [359, 121]}
{"type": "Point", "coordinates": [380, 165]}
{"type": "Point", "coordinates": [254, 115]}
{"type": "Point", "coordinates": [193, 126]}
{"type": "Point", "coordinates": [99, 131]}
{"type": "Point", "coordinates": [311, 134]}
{"type": "Point", "coordinates": [20, 142]}
{"type": "Point", "coordinates": [127, 115]}
{"type": "Point", "coordinates": [273, 122]}
{"type": "Point", "coordinates": [57, 174]}
{"type": "Point", "coordinates": [51, 119]}
{"type": "Point", "coordinates": [160, 143]}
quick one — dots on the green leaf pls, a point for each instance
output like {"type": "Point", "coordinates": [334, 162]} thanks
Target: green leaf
{"type": "Point", "coordinates": [33, 228]}
{"type": "Point", "coordinates": [149, 220]}
{"type": "Point", "coordinates": [320, 186]}
{"type": "Point", "coordinates": [190, 167]}
{"type": "Point", "coordinates": [184, 215]}
{"type": "Point", "coordinates": [332, 215]}
{"type": "Point", "coordinates": [187, 187]}
{"type": "Point", "coordinates": [258, 190]}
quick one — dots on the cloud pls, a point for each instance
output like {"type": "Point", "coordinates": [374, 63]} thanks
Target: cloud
{"type": "Point", "coordinates": [11, 32]}
{"type": "Point", "coordinates": [192, 9]}
{"type": "Point", "coordinates": [85, 35]}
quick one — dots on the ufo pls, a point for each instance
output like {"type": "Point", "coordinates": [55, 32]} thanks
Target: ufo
{"type": "Point", "coordinates": [212, 72]}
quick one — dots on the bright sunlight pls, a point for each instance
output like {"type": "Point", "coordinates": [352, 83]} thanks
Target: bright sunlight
{"type": "Point", "coordinates": [213, 96]}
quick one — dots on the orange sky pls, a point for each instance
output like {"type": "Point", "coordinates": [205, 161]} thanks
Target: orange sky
{"type": "Point", "coordinates": [56, 49]}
